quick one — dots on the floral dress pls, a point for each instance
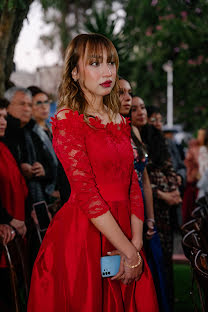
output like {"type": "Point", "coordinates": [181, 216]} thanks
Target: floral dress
{"type": "Point", "coordinates": [152, 247]}
{"type": "Point", "coordinates": [164, 179]}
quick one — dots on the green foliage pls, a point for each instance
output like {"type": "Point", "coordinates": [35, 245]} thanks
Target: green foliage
{"type": "Point", "coordinates": [51, 4]}
{"type": "Point", "coordinates": [171, 30]}
{"type": "Point", "coordinates": [12, 4]}
{"type": "Point", "coordinates": [154, 32]}
{"type": "Point", "coordinates": [103, 23]}
{"type": "Point", "coordinates": [65, 18]}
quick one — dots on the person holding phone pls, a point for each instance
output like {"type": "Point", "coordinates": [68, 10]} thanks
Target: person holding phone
{"type": "Point", "coordinates": [104, 214]}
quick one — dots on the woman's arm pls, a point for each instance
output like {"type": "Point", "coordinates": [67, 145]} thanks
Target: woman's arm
{"type": "Point", "coordinates": [148, 197]}
{"type": "Point", "coordinates": [137, 232]}
{"type": "Point", "coordinates": [137, 212]}
{"type": "Point", "coordinates": [108, 226]}
{"type": "Point", "coordinates": [148, 202]}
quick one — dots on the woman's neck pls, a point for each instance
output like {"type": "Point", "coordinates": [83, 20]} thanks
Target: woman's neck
{"type": "Point", "coordinates": [96, 107]}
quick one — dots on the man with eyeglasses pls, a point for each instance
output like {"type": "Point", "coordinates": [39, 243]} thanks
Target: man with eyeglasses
{"type": "Point", "coordinates": [24, 143]}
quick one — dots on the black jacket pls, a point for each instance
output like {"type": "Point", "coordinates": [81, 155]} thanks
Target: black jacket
{"type": "Point", "coordinates": [26, 147]}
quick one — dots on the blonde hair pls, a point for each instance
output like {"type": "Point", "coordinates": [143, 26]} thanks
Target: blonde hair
{"type": "Point", "coordinates": [70, 93]}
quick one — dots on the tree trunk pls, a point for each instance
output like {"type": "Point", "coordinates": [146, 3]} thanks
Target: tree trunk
{"type": "Point", "coordinates": [6, 24]}
{"type": "Point", "coordinates": [11, 22]}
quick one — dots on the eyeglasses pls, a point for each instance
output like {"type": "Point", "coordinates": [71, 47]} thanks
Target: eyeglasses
{"type": "Point", "coordinates": [42, 102]}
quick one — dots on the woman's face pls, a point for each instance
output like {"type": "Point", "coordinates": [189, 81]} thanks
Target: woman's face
{"type": "Point", "coordinates": [40, 107]}
{"type": "Point", "coordinates": [125, 97]}
{"type": "Point", "coordinates": [3, 121]}
{"type": "Point", "coordinates": [156, 120]}
{"type": "Point", "coordinates": [138, 112]}
{"type": "Point", "coordinates": [96, 75]}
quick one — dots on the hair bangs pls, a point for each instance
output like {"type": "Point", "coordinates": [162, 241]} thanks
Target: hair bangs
{"type": "Point", "coordinates": [95, 47]}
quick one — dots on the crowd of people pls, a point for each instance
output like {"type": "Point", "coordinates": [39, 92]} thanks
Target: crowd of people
{"type": "Point", "coordinates": [124, 186]}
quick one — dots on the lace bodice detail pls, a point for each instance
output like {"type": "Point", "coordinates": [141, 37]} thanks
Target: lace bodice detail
{"type": "Point", "coordinates": [97, 159]}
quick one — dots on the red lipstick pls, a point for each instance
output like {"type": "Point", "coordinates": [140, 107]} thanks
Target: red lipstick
{"type": "Point", "coordinates": [106, 84]}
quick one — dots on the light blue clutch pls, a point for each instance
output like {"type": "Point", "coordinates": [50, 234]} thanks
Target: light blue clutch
{"type": "Point", "coordinates": [110, 265]}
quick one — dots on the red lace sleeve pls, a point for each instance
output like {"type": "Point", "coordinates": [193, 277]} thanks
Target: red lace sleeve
{"type": "Point", "coordinates": [69, 145]}
{"type": "Point", "coordinates": [137, 205]}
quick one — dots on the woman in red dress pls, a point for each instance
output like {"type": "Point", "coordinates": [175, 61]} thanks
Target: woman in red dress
{"type": "Point", "coordinates": [104, 215]}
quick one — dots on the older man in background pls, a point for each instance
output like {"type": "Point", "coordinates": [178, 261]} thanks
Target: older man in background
{"type": "Point", "coordinates": [25, 145]}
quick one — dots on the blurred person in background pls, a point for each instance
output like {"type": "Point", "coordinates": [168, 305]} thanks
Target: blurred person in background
{"type": "Point", "coordinates": [13, 194]}
{"type": "Point", "coordinates": [13, 189]}
{"type": "Point", "coordinates": [152, 244]}
{"type": "Point", "coordinates": [26, 145]}
{"type": "Point", "coordinates": [41, 108]}
{"type": "Point", "coordinates": [155, 118]}
{"type": "Point", "coordinates": [202, 183]}
{"type": "Point", "coordinates": [192, 166]}
{"type": "Point", "coordinates": [164, 185]}
{"type": "Point", "coordinates": [32, 158]}
{"type": "Point", "coordinates": [59, 187]}
{"type": "Point", "coordinates": [40, 112]}
{"type": "Point", "coordinates": [196, 161]}
{"type": "Point", "coordinates": [125, 96]}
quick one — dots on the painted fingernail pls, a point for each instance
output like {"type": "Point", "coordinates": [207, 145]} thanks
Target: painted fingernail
{"type": "Point", "coordinates": [109, 253]}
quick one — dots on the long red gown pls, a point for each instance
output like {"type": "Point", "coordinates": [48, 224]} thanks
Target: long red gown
{"type": "Point", "coordinates": [98, 161]}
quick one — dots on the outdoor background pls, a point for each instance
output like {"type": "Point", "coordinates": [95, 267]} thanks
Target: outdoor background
{"type": "Point", "coordinates": [146, 34]}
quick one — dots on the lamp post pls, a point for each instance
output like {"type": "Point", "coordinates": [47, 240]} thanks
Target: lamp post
{"type": "Point", "coordinates": [168, 68]}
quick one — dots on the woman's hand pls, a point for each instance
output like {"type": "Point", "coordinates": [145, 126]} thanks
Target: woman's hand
{"type": "Point", "coordinates": [150, 228]}
{"type": "Point", "coordinates": [7, 233]}
{"type": "Point", "coordinates": [127, 275]}
{"type": "Point", "coordinates": [171, 198]}
{"type": "Point", "coordinates": [132, 274]}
